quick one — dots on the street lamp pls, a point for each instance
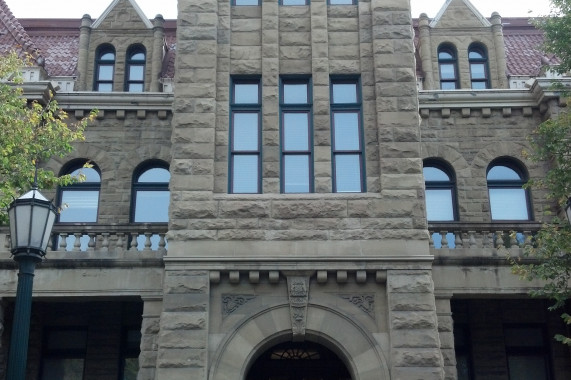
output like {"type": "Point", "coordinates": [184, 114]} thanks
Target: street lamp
{"type": "Point", "coordinates": [32, 217]}
{"type": "Point", "coordinates": [568, 209]}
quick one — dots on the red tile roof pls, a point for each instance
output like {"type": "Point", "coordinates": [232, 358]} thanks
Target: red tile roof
{"type": "Point", "coordinates": [12, 35]}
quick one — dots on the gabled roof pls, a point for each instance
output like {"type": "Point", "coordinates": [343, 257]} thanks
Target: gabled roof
{"type": "Point", "coordinates": [12, 35]}
{"type": "Point", "coordinates": [452, 8]}
{"type": "Point", "coordinates": [114, 4]}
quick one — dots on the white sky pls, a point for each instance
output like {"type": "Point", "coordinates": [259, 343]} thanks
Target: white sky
{"type": "Point", "coordinates": [77, 8]}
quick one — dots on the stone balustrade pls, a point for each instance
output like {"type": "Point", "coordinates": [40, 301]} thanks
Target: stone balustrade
{"type": "Point", "coordinates": [480, 239]}
{"type": "Point", "coordinates": [147, 240]}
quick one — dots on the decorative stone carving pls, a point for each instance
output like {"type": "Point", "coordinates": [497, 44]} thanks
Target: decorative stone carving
{"type": "Point", "coordinates": [298, 291]}
{"type": "Point", "coordinates": [365, 302]}
{"type": "Point", "coordinates": [232, 302]}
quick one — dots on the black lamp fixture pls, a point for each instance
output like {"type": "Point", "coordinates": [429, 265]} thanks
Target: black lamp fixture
{"type": "Point", "coordinates": [32, 217]}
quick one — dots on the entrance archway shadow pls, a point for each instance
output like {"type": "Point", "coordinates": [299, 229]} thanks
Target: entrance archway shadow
{"type": "Point", "coordinates": [345, 337]}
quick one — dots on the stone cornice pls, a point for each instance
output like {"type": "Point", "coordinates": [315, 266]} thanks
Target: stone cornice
{"type": "Point", "coordinates": [148, 101]}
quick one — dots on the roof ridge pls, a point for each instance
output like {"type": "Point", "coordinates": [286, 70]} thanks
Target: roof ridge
{"type": "Point", "coordinates": [21, 37]}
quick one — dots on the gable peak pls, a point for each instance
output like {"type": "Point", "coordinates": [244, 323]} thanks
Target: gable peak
{"type": "Point", "coordinates": [455, 10]}
{"type": "Point", "coordinates": [114, 4]}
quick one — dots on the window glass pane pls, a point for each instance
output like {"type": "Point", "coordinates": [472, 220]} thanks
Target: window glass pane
{"type": "Point", "coordinates": [478, 71]}
{"type": "Point", "coordinates": [439, 205]}
{"type": "Point", "coordinates": [474, 54]}
{"type": "Point", "coordinates": [523, 337]}
{"type": "Point", "coordinates": [293, 2]}
{"type": "Point", "coordinates": [346, 130]}
{"type": "Point", "coordinates": [105, 72]}
{"type": "Point", "coordinates": [104, 87]}
{"type": "Point", "coordinates": [245, 129]}
{"type": "Point", "coordinates": [296, 174]}
{"type": "Point", "coordinates": [107, 57]}
{"type": "Point", "coordinates": [91, 175]}
{"type": "Point", "coordinates": [155, 175]}
{"type": "Point", "coordinates": [62, 369]}
{"type": "Point", "coordinates": [138, 57]}
{"type": "Point", "coordinates": [445, 55]}
{"type": "Point", "coordinates": [448, 85]}
{"type": "Point", "coordinates": [500, 172]}
{"type": "Point", "coordinates": [246, 93]}
{"type": "Point", "coordinates": [434, 174]}
{"type": "Point", "coordinates": [463, 367]}
{"type": "Point", "coordinates": [130, 369]}
{"type": "Point", "coordinates": [296, 130]}
{"type": "Point", "coordinates": [479, 85]}
{"type": "Point", "coordinates": [295, 93]}
{"type": "Point", "coordinates": [152, 206]}
{"type": "Point", "coordinates": [136, 72]}
{"type": "Point", "coordinates": [347, 173]}
{"type": "Point", "coordinates": [508, 204]}
{"type": "Point", "coordinates": [245, 174]}
{"type": "Point", "coordinates": [135, 87]}
{"type": "Point", "coordinates": [340, 2]}
{"type": "Point", "coordinates": [81, 206]}
{"type": "Point", "coordinates": [344, 93]}
{"type": "Point", "coordinates": [527, 367]}
{"type": "Point", "coordinates": [447, 71]}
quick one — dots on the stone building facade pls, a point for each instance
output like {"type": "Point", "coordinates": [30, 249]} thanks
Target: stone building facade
{"type": "Point", "coordinates": [302, 240]}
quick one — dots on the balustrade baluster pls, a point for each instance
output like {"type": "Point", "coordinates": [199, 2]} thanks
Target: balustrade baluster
{"type": "Point", "coordinates": [77, 242]}
{"type": "Point", "coordinates": [134, 242]}
{"type": "Point", "coordinates": [119, 243]}
{"type": "Point", "coordinates": [431, 239]}
{"type": "Point", "coordinates": [472, 239]}
{"type": "Point", "coordinates": [499, 239]}
{"type": "Point", "coordinates": [163, 243]}
{"type": "Point", "coordinates": [91, 242]}
{"type": "Point", "coordinates": [147, 241]}
{"type": "Point", "coordinates": [458, 240]}
{"type": "Point", "coordinates": [105, 242]}
{"type": "Point", "coordinates": [62, 242]}
{"type": "Point", "coordinates": [444, 239]}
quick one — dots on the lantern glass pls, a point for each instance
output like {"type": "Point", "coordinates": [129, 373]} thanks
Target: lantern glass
{"type": "Point", "coordinates": [31, 220]}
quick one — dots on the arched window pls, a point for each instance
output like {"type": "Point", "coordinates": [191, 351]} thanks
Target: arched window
{"type": "Point", "coordinates": [478, 59]}
{"type": "Point", "coordinates": [135, 70]}
{"type": "Point", "coordinates": [508, 200]}
{"type": "Point", "coordinates": [104, 68]}
{"type": "Point", "coordinates": [79, 202]}
{"type": "Point", "coordinates": [448, 67]}
{"type": "Point", "coordinates": [440, 186]}
{"type": "Point", "coordinates": [151, 193]}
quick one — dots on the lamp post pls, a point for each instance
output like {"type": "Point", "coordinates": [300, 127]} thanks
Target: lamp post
{"type": "Point", "coordinates": [568, 209]}
{"type": "Point", "coordinates": [31, 220]}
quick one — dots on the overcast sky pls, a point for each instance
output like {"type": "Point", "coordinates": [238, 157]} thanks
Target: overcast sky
{"type": "Point", "coordinates": [77, 8]}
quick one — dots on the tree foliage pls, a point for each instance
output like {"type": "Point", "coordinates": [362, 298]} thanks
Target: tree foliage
{"type": "Point", "coordinates": [551, 143]}
{"type": "Point", "coordinates": [30, 133]}
{"type": "Point", "coordinates": [557, 29]}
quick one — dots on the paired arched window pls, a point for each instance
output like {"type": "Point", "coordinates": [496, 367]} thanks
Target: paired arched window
{"type": "Point", "coordinates": [508, 199]}
{"type": "Point", "coordinates": [135, 69]}
{"type": "Point", "coordinates": [478, 60]}
{"type": "Point", "coordinates": [440, 184]}
{"type": "Point", "coordinates": [448, 67]}
{"type": "Point", "coordinates": [79, 202]}
{"type": "Point", "coordinates": [151, 193]}
{"type": "Point", "coordinates": [104, 68]}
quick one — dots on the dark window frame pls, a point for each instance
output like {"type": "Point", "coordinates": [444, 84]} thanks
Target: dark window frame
{"type": "Point", "coordinates": [464, 350]}
{"type": "Point", "coordinates": [130, 62]}
{"type": "Point", "coordinates": [451, 50]}
{"type": "Point", "coordinates": [520, 169]}
{"type": "Point", "coordinates": [357, 108]}
{"type": "Point", "coordinates": [126, 351]}
{"type": "Point", "coordinates": [48, 353]}
{"type": "Point", "coordinates": [101, 51]}
{"type": "Point", "coordinates": [236, 108]}
{"type": "Point", "coordinates": [544, 350]}
{"type": "Point", "coordinates": [303, 108]}
{"type": "Point", "coordinates": [146, 186]}
{"type": "Point", "coordinates": [79, 186]}
{"type": "Point", "coordinates": [443, 185]}
{"type": "Point", "coordinates": [480, 49]}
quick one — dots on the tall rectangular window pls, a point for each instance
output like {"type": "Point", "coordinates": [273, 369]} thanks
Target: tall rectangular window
{"type": "Point", "coordinates": [296, 136]}
{"type": "Point", "coordinates": [245, 136]}
{"type": "Point", "coordinates": [347, 136]}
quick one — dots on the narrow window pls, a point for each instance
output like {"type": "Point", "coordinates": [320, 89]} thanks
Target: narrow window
{"type": "Point", "coordinates": [135, 70]}
{"type": "Point", "coordinates": [104, 68]}
{"type": "Point", "coordinates": [508, 199]}
{"type": "Point", "coordinates": [527, 352]}
{"type": "Point", "coordinates": [245, 136]}
{"type": "Point", "coordinates": [294, 2]}
{"type": "Point", "coordinates": [64, 354]}
{"type": "Point", "coordinates": [296, 132]}
{"type": "Point", "coordinates": [342, 2]}
{"type": "Point", "coordinates": [245, 2]}
{"type": "Point", "coordinates": [79, 201]}
{"type": "Point", "coordinates": [440, 192]}
{"type": "Point", "coordinates": [347, 139]}
{"type": "Point", "coordinates": [151, 194]}
{"type": "Point", "coordinates": [478, 67]}
{"type": "Point", "coordinates": [448, 67]}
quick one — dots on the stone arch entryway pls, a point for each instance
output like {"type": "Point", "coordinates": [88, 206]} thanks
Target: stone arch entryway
{"type": "Point", "coordinates": [298, 361]}
{"type": "Point", "coordinates": [352, 343]}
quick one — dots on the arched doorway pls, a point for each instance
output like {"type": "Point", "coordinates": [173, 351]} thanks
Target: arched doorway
{"type": "Point", "coordinates": [298, 361]}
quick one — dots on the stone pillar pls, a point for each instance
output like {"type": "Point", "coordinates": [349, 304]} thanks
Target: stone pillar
{"type": "Point", "coordinates": [149, 338]}
{"type": "Point", "coordinates": [157, 60]}
{"type": "Point", "coordinates": [501, 64]}
{"type": "Point", "coordinates": [183, 336]}
{"type": "Point", "coordinates": [82, 61]}
{"type": "Point", "coordinates": [446, 332]}
{"type": "Point", "coordinates": [426, 52]}
{"type": "Point", "coordinates": [413, 326]}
